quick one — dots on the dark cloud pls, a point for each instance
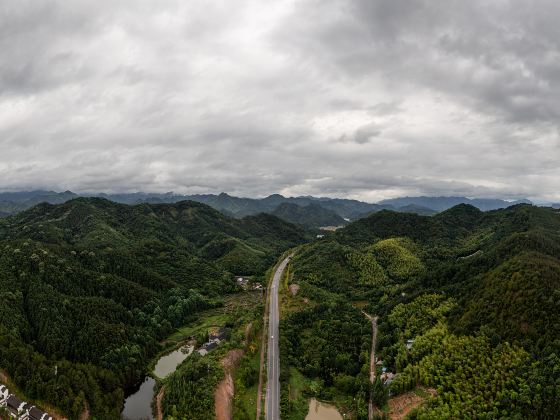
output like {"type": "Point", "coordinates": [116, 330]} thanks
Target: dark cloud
{"type": "Point", "coordinates": [365, 99]}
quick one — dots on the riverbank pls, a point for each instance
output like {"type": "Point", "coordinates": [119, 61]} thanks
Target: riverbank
{"type": "Point", "coordinates": [237, 313]}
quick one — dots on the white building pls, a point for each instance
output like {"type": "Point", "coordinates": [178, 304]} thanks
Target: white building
{"type": "Point", "coordinates": [4, 393]}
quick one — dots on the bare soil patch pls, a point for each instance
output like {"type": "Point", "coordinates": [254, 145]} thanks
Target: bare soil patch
{"type": "Point", "coordinates": [248, 332]}
{"type": "Point", "coordinates": [224, 392]}
{"type": "Point", "coordinates": [159, 398]}
{"type": "Point", "coordinates": [294, 288]}
{"type": "Point", "coordinates": [403, 404]}
{"type": "Point", "coordinates": [85, 414]}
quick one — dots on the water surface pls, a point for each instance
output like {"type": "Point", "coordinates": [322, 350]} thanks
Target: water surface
{"type": "Point", "coordinates": [168, 363]}
{"type": "Point", "coordinates": [138, 406]}
{"type": "Point", "coordinates": [321, 411]}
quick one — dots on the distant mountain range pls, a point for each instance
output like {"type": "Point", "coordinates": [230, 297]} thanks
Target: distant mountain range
{"type": "Point", "coordinates": [308, 211]}
{"type": "Point", "coordinates": [311, 215]}
{"type": "Point", "coordinates": [443, 203]}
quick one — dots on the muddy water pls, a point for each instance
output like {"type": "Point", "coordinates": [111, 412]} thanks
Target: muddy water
{"type": "Point", "coordinates": [138, 405]}
{"type": "Point", "coordinates": [168, 363]}
{"type": "Point", "coordinates": [322, 411]}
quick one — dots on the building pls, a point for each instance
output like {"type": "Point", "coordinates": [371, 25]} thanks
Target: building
{"type": "Point", "coordinates": [220, 334]}
{"type": "Point", "coordinates": [387, 378]}
{"type": "Point", "coordinates": [409, 344]}
{"type": "Point", "coordinates": [37, 414]}
{"type": "Point", "coordinates": [4, 393]}
{"type": "Point", "coordinates": [211, 345]}
{"type": "Point", "coordinates": [242, 282]}
{"type": "Point", "coordinates": [20, 409]}
{"type": "Point", "coordinates": [16, 407]}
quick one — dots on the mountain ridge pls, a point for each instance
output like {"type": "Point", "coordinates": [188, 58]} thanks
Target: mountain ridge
{"type": "Point", "coordinates": [91, 287]}
{"type": "Point", "coordinates": [14, 202]}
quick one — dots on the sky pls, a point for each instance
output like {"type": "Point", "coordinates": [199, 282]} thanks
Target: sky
{"type": "Point", "coordinates": [365, 99]}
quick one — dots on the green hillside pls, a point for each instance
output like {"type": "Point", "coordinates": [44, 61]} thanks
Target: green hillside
{"type": "Point", "coordinates": [91, 287]}
{"type": "Point", "coordinates": [311, 215]}
{"type": "Point", "coordinates": [477, 291]}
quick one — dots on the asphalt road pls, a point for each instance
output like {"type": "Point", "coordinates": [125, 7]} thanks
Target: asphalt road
{"type": "Point", "coordinates": [273, 366]}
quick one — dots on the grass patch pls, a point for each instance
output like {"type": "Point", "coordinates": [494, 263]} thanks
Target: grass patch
{"type": "Point", "coordinates": [360, 304]}
{"type": "Point", "coordinates": [245, 399]}
{"type": "Point", "coordinates": [298, 402]}
{"type": "Point", "coordinates": [238, 309]}
{"type": "Point", "coordinates": [422, 393]}
{"type": "Point", "coordinates": [205, 322]}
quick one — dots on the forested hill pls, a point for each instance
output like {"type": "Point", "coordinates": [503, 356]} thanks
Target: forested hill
{"type": "Point", "coordinates": [91, 286]}
{"type": "Point", "coordinates": [311, 215]}
{"type": "Point", "coordinates": [478, 292]}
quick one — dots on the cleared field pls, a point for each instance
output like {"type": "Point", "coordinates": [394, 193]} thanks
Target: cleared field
{"type": "Point", "coordinates": [237, 310]}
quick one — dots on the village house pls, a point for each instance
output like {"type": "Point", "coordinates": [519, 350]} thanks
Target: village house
{"type": "Point", "coordinates": [20, 409]}
{"type": "Point", "coordinates": [37, 414]}
{"type": "Point", "coordinates": [387, 378]}
{"type": "Point", "coordinates": [220, 334]}
{"type": "Point", "coordinates": [4, 393]}
{"type": "Point", "coordinates": [16, 407]}
{"type": "Point", "coordinates": [242, 282]}
{"type": "Point", "coordinates": [214, 339]}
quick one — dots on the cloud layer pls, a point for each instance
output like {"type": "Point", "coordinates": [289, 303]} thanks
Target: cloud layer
{"type": "Point", "coordinates": [363, 99]}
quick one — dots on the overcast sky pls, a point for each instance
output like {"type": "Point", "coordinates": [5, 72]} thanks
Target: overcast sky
{"type": "Point", "coordinates": [367, 99]}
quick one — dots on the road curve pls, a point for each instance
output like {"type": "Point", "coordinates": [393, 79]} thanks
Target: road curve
{"type": "Point", "coordinates": [273, 365]}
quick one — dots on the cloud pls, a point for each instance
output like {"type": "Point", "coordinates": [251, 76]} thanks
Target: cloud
{"type": "Point", "coordinates": [357, 99]}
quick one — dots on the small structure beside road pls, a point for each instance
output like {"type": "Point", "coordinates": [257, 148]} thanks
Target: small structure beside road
{"type": "Point", "coordinates": [246, 284]}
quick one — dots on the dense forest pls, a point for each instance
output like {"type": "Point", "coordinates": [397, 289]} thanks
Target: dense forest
{"type": "Point", "coordinates": [89, 288]}
{"type": "Point", "coordinates": [468, 305]}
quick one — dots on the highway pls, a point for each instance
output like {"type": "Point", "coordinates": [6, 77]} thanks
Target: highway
{"type": "Point", "coordinates": [273, 364]}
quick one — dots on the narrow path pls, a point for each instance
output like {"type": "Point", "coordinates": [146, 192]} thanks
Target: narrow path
{"type": "Point", "coordinates": [159, 398]}
{"type": "Point", "coordinates": [373, 320]}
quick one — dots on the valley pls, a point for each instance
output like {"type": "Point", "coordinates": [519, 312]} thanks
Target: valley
{"type": "Point", "coordinates": [394, 313]}
{"type": "Point", "coordinates": [287, 210]}
{"type": "Point", "coordinates": [91, 289]}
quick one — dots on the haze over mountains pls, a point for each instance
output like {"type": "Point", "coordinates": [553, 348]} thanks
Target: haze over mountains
{"type": "Point", "coordinates": [304, 210]}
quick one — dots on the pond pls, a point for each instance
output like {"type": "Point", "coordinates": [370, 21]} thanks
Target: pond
{"type": "Point", "coordinates": [168, 363]}
{"type": "Point", "coordinates": [321, 411]}
{"type": "Point", "coordinates": [138, 406]}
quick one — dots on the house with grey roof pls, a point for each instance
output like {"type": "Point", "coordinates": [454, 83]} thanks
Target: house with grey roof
{"type": "Point", "coordinates": [16, 407]}
{"type": "Point", "coordinates": [35, 413]}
